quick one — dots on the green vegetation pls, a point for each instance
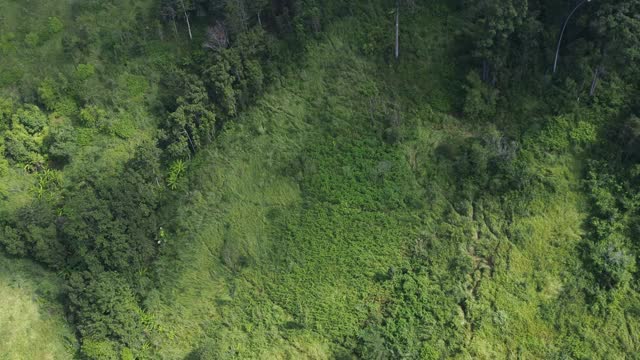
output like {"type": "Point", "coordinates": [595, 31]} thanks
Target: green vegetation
{"type": "Point", "coordinates": [209, 179]}
{"type": "Point", "coordinates": [32, 318]}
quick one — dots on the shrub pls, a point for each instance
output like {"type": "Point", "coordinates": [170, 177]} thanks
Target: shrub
{"type": "Point", "coordinates": [32, 118]}
{"type": "Point", "coordinates": [583, 133]}
{"type": "Point", "coordinates": [85, 71]}
{"type": "Point", "coordinates": [55, 25]}
{"type": "Point", "coordinates": [613, 261]}
{"type": "Point", "coordinates": [99, 349]}
{"type": "Point", "coordinates": [32, 39]}
{"type": "Point", "coordinates": [480, 101]}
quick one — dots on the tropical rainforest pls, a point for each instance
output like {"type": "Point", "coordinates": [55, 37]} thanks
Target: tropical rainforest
{"type": "Point", "coordinates": [319, 179]}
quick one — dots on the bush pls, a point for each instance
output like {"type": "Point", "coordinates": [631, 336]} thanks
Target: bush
{"type": "Point", "coordinates": [480, 101]}
{"type": "Point", "coordinates": [99, 349]}
{"type": "Point", "coordinates": [4, 164]}
{"type": "Point", "coordinates": [55, 25]}
{"type": "Point", "coordinates": [61, 144]}
{"type": "Point", "coordinates": [55, 95]}
{"type": "Point", "coordinates": [32, 39]}
{"type": "Point", "coordinates": [6, 111]}
{"type": "Point", "coordinates": [32, 118]}
{"type": "Point", "coordinates": [583, 133]}
{"type": "Point", "coordinates": [94, 116]}
{"type": "Point", "coordinates": [208, 351]}
{"type": "Point", "coordinates": [555, 136]}
{"type": "Point", "coordinates": [21, 147]}
{"type": "Point", "coordinates": [85, 71]}
{"type": "Point", "coordinates": [613, 261]}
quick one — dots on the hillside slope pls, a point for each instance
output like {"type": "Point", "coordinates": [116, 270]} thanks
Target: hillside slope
{"type": "Point", "coordinates": [204, 184]}
{"type": "Point", "coordinates": [331, 221]}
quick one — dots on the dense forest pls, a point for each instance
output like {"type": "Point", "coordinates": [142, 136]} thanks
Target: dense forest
{"type": "Point", "coordinates": [319, 179]}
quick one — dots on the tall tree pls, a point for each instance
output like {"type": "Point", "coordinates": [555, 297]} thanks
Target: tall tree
{"type": "Point", "coordinates": [192, 124]}
{"type": "Point", "coordinates": [237, 16]}
{"type": "Point", "coordinates": [494, 24]}
{"type": "Point", "coordinates": [617, 27]}
{"type": "Point", "coordinates": [183, 4]}
{"type": "Point", "coordinates": [169, 10]}
{"type": "Point", "coordinates": [111, 223]}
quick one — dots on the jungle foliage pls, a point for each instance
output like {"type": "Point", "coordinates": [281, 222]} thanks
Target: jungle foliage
{"type": "Point", "coordinates": [218, 179]}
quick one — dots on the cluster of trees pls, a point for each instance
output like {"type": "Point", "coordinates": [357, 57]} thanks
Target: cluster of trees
{"type": "Point", "coordinates": [422, 320]}
{"type": "Point", "coordinates": [102, 231]}
{"type": "Point", "coordinates": [246, 45]}
{"type": "Point", "coordinates": [516, 39]}
{"type": "Point", "coordinates": [613, 252]}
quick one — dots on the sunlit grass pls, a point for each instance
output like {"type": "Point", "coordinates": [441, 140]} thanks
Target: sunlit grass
{"type": "Point", "coordinates": [32, 323]}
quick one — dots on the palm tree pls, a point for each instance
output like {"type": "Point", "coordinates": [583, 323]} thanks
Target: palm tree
{"type": "Point", "coordinates": [175, 172]}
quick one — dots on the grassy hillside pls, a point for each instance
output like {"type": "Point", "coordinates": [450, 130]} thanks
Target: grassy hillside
{"type": "Point", "coordinates": [295, 192]}
{"type": "Point", "coordinates": [31, 315]}
{"type": "Point", "coordinates": [317, 228]}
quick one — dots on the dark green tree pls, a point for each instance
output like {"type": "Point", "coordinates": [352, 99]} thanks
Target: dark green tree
{"type": "Point", "coordinates": [617, 28]}
{"type": "Point", "coordinates": [61, 143]}
{"type": "Point", "coordinates": [111, 224]}
{"type": "Point", "coordinates": [192, 124]}
{"type": "Point", "coordinates": [105, 308]}
{"type": "Point", "coordinates": [495, 24]}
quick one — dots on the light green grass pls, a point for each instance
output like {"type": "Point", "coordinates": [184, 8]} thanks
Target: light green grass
{"type": "Point", "coordinates": [32, 323]}
{"type": "Point", "coordinates": [535, 274]}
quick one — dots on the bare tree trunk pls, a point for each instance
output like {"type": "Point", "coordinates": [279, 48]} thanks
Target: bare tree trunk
{"type": "Point", "coordinates": [243, 14]}
{"type": "Point", "coordinates": [371, 112]}
{"type": "Point", "coordinates": [564, 27]}
{"type": "Point", "coordinates": [160, 32]}
{"type": "Point", "coordinates": [184, 9]}
{"type": "Point", "coordinates": [397, 52]}
{"type": "Point", "coordinates": [592, 91]}
{"type": "Point", "coordinates": [190, 141]}
{"type": "Point", "coordinates": [175, 28]}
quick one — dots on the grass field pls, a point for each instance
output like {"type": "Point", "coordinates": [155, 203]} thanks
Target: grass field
{"type": "Point", "coordinates": [32, 322]}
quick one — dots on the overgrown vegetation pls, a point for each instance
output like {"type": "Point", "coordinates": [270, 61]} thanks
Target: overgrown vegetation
{"type": "Point", "coordinates": [211, 179]}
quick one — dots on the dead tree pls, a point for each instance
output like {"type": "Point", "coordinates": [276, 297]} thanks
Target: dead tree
{"type": "Point", "coordinates": [186, 16]}
{"type": "Point", "coordinates": [594, 82]}
{"type": "Point", "coordinates": [397, 49]}
{"type": "Point", "coordinates": [242, 14]}
{"type": "Point", "coordinates": [217, 37]}
{"type": "Point", "coordinates": [315, 20]}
